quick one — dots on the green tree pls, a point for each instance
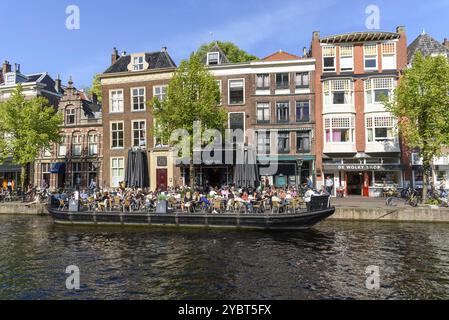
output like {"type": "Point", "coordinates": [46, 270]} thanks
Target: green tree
{"type": "Point", "coordinates": [29, 126]}
{"type": "Point", "coordinates": [193, 95]}
{"type": "Point", "coordinates": [421, 104]}
{"type": "Point", "coordinates": [232, 52]}
{"type": "Point", "coordinates": [96, 88]}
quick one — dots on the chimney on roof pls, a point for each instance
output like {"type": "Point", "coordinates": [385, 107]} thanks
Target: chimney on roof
{"type": "Point", "coordinates": [58, 86]}
{"type": "Point", "coordinates": [164, 49]}
{"type": "Point", "coordinates": [115, 56]}
{"type": "Point", "coordinates": [316, 35]}
{"type": "Point", "coordinates": [123, 53]}
{"type": "Point", "coordinates": [446, 43]}
{"type": "Point", "coordinates": [16, 67]}
{"type": "Point", "coordinates": [6, 67]}
{"type": "Point", "coordinates": [400, 29]}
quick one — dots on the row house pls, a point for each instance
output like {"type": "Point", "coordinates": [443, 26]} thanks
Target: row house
{"type": "Point", "coordinates": [76, 162]}
{"type": "Point", "coordinates": [428, 46]}
{"type": "Point", "coordinates": [127, 85]}
{"type": "Point", "coordinates": [357, 141]}
{"type": "Point", "coordinates": [34, 85]}
{"type": "Point", "coordinates": [273, 98]}
{"type": "Point", "coordinates": [271, 101]}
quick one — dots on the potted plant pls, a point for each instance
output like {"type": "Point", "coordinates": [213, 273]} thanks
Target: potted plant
{"type": "Point", "coordinates": [162, 204]}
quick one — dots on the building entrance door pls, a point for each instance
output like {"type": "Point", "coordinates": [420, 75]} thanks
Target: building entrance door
{"type": "Point", "coordinates": [162, 179]}
{"type": "Point", "coordinates": [354, 183]}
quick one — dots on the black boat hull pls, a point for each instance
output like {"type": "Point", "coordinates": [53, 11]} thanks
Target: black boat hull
{"type": "Point", "coordinates": [299, 221]}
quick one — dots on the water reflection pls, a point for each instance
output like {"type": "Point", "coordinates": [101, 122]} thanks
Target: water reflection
{"type": "Point", "coordinates": [327, 262]}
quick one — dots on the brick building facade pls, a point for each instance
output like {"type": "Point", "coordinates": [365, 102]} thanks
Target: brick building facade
{"type": "Point", "coordinates": [34, 85]}
{"type": "Point", "coordinates": [357, 142]}
{"type": "Point", "coordinates": [127, 85]}
{"type": "Point", "coordinates": [77, 160]}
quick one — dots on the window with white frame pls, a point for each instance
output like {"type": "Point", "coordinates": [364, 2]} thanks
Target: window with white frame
{"type": "Point", "coordinates": [62, 147]}
{"type": "Point", "coordinates": [139, 134]}
{"type": "Point", "coordinates": [346, 58]}
{"type": "Point", "coordinates": [116, 101]}
{"type": "Point", "coordinates": [302, 142]}
{"type": "Point", "coordinates": [138, 63]}
{"type": "Point", "coordinates": [213, 58]}
{"type": "Point", "coordinates": [282, 81]}
{"type": "Point", "coordinates": [389, 56]}
{"type": "Point", "coordinates": [92, 141]}
{"type": "Point", "coordinates": [236, 92]}
{"type": "Point", "coordinates": [338, 92]}
{"type": "Point", "coordinates": [160, 92]}
{"type": "Point", "coordinates": [264, 143]}
{"type": "Point", "coordinates": [302, 111]}
{"type": "Point", "coordinates": [302, 80]}
{"type": "Point", "coordinates": [380, 128]}
{"type": "Point", "coordinates": [117, 135]}
{"type": "Point", "coordinates": [138, 98]}
{"type": "Point", "coordinates": [339, 129]}
{"type": "Point", "coordinates": [263, 81]}
{"type": "Point", "coordinates": [70, 116]}
{"type": "Point", "coordinates": [283, 112]}
{"type": "Point", "coordinates": [117, 171]}
{"type": "Point", "coordinates": [263, 112]}
{"type": "Point", "coordinates": [328, 58]}
{"type": "Point", "coordinates": [283, 142]}
{"type": "Point", "coordinates": [77, 144]}
{"type": "Point", "coordinates": [377, 89]}
{"type": "Point", "coordinates": [370, 56]}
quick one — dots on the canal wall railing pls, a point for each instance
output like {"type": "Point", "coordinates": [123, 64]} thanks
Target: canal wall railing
{"type": "Point", "coordinates": [23, 209]}
{"type": "Point", "coordinates": [393, 214]}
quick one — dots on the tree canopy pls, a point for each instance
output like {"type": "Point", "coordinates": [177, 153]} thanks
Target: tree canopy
{"type": "Point", "coordinates": [29, 126]}
{"type": "Point", "coordinates": [421, 104]}
{"type": "Point", "coordinates": [231, 50]}
{"type": "Point", "coordinates": [96, 88]}
{"type": "Point", "coordinates": [192, 95]}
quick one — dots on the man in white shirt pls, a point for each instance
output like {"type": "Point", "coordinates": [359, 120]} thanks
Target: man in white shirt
{"type": "Point", "coordinates": [329, 185]}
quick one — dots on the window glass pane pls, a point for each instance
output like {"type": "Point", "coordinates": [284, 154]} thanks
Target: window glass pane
{"type": "Point", "coordinates": [339, 98]}
{"type": "Point", "coordinates": [236, 92]}
{"type": "Point", "coordinates": [236, 121]}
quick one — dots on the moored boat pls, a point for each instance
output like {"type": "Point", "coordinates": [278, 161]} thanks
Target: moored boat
{"type": "Point", "coordinates": [320, 210]}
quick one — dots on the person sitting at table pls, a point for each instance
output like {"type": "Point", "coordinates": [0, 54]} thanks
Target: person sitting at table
{"type": "Point", "coordinates": [308, 197]}
{"type": "Point", "coordinates": [231, 199]}
{"type": "Point", "coordinates": [105, 200]}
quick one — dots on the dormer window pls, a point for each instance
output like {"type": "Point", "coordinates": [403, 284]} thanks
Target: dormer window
{"type": "Point", "coordinates": [213, 58]}
{"type": "Point", "coordinates": [138, 63]}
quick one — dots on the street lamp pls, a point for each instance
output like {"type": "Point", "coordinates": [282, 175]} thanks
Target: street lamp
{"type": "Point", "coordinates": [299, 163]}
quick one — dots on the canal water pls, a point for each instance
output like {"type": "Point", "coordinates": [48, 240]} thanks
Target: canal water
{"type": "Point", "coordinates": [328, 262]}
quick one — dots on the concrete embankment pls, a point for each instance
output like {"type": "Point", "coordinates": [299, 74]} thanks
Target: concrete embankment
{"type": "Point", "coordinates": [23, 209]}
{"type": "Point", "coordinates": [395, 214]}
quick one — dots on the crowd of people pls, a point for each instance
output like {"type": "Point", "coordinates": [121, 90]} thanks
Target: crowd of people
{"type": "Point", "coordinates": [211, 199]}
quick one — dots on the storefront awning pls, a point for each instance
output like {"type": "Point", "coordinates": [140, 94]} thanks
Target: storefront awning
{"type": "Point", "coordinates": [7, 167]}
{"type": "Point", "coordinates": [57, 168]}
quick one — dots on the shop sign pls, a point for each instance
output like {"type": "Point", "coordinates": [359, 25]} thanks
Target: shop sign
{"type": "Point", "coordinates": [363, 167]}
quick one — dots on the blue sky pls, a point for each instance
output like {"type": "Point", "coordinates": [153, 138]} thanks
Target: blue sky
{"type": "Point", "coordinates": [34, 34]}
